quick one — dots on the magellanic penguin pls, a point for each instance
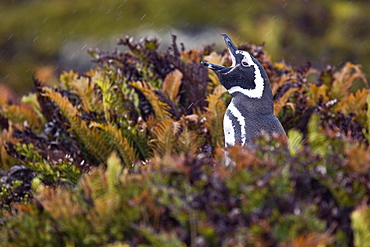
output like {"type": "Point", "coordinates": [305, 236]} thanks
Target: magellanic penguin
{"type": "Point", "coordinates": [251, 110]}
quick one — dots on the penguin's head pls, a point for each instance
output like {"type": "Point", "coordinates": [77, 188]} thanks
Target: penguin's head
{"type": "Point", "coordinates": [246, 75]}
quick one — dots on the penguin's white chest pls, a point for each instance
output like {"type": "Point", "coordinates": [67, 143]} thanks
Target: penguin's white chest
{"type": "Point", "coordinates": [234, 126]}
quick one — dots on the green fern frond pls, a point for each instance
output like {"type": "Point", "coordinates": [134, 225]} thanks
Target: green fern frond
{"type": "Point", "coordinates": [161, 109]}
{"type": "Point", "coordinates": [108, 96]}
{"type": "Point", "coordinates": [361, 226]}
{"type": "Point", "coordinates": [51, 171]}
{"type": "Point", "coordinates": [90, 137]}
{"type": "Point", "coordinates": [31, 100]}
{"type": "Point", "coordinates": [295, 139]}
{"type": "Point", "coordinates": [66, 79]}
{"type": "Point", "coordinates": [113, 172]}
{"type": "Point", "coordinates": [137, 141]}
{"type": "Point", "coordinates": [120, 142]}
{"type": "Point", "coordinates": [316, 137]}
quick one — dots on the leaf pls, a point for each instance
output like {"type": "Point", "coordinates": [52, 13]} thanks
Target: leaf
{"type": "Point", "coordinates": [359, 158]}
{"type": "Point", "coordinates": [165, 136]}
{"type": "Point", "coordinates": [120, 142]}
{"type": "Point", "coordinates": [315, 93]}
{"type": "Point", "coordinates": [188, 139]}
{"type": "Point", "coordinates": [160, 108]}
{"type": "Point", "coordinates": [283, 101]}
{"type": "Point", "coordinates": [344, 78]}
{"type": "Point", "coordinates": [113, 172]}
{"type": "Point", "coordinates": [171, 84]}
{"type": "Point", "coordinates": [360, 222]}
{"type": "Point", "coordinates": [295, 139]}
{"type": "Point", "coordinates": [318, 141]}
{"type": "Point", "coordinates": [355, 103]}
{"type": "Point", "coordinates": [23, 114]}
{"type": "Point", "coordinates": [92, 139]}
{"type": "Point", "coordinates": [215, 115]}
{"type": "Point", "coordinates": [85, 89]}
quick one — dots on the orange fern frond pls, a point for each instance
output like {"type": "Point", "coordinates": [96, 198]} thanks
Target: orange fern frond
{"type": "Point", "coordinates": [165, 136]}
{"type": "Point", "coordinates": [22, 113]}
{"type": "Point", "coordinates": [85, 89]}
{"type": "Point", "coordinates": [161, 109]}
{"type": "Point", "coordinates": [215, 114]}
{"type": "Point", "coordinates": [283, 101]}
{"type": "Point", "coordinates": [171, 84]}
{"type": "Point", "coordinates": [355, 103]}
{"type": "Point", "coordinates": [344, 78]}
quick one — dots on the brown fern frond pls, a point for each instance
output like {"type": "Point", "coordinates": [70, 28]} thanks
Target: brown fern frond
{"type": "Point", "coordinates": [66, 78]}
{"type": "Point", "coordinates": [165, 137]}
{"type": "Point", "coordinates": [344, 78]}
{"type": "Point", "coordinates": [171, 84]}
{"type": "Point", "coordinates": [161, 109]}
{"type": "Point", "coordinates": [214, 115]}
{"type": "Point", "coordinates": [91, 137]}
{"type": "Point", "coordinates": [6, 136]}
{"type": "Point", "coordinates": [85, 89]}
{"type": "Point", "coordinates": [120, 142]}
{"type": "Point", "coordinates": [189, 139]}
{"type": "Point", "coordinates": [355, 103]}
{"type": "Point", "coordinates": [22, 113]}
{"type": "Point", "coordinates": [283, 101]}
{"type": "Point", "coordinates": [315, 93]}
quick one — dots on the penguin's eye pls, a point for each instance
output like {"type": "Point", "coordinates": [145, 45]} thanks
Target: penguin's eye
{"type": "Point", "coordinates": [245, 64]}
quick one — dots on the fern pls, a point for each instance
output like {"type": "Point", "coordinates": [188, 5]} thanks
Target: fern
{"type": "Point", "coordinates": [318, 140]}
{"type": "Point", "coordinates": [86, 91]}
{"type": "Point", "coordinates": [366, 130]}
{"type": "Point", "coordinates": [283, 101]}
{"type": "Point", "coordinates": [214, 115]}
{"type": "Point", "coordinates": [90, 137]}
{"type": "Point", "coordinates": [295, 140]}
{"type": "Point", "coordinates": [161, 109]}
{"type": "Point", "coordinates": [165, 136]}
{"type": "Point", "coordinates": [120, 143]}
{"type": "Point", "coordinates": [188, 140]}
{"type": "Point", "coordinates": [23, 114]}
{"type": "Point", "coordinates": [360, 222]}
{"type": "Point", "coordinates": [171, 84]}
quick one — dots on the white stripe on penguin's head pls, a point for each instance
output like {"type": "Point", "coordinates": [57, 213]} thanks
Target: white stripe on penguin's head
{"type": "Point", "coordinates": [256, 92]}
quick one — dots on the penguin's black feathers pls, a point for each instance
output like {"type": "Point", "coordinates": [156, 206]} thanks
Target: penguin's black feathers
{"type": "Point", "coordinates": [250, 112]}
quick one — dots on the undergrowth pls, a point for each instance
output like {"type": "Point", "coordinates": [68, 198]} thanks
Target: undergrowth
{"type": "Point", "coordinates": [131, 154]}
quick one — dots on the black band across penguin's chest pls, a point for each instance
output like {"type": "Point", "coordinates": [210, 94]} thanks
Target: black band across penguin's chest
{"type": "Point", "coordinates": [241, 126]}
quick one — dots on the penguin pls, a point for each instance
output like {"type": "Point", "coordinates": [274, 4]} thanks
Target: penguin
{"type": "Point", "coordinates": [251, 110]}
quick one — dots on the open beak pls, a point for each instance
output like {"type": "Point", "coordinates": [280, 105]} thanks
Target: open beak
{"type": "Point", "coordinates": [232, 49]}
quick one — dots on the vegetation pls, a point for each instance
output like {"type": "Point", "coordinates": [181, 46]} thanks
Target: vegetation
{"type": "Point", "coordinates": [131, 154]}
{"type": "Point", "coordinates": [50, 34]}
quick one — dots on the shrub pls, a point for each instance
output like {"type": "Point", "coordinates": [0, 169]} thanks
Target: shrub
{"type": "Point", "coordinates": [130, 153]}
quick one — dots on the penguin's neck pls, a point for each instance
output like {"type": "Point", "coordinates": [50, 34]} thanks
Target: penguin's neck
{"type": "Point", "coordinates": [263, 106]}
